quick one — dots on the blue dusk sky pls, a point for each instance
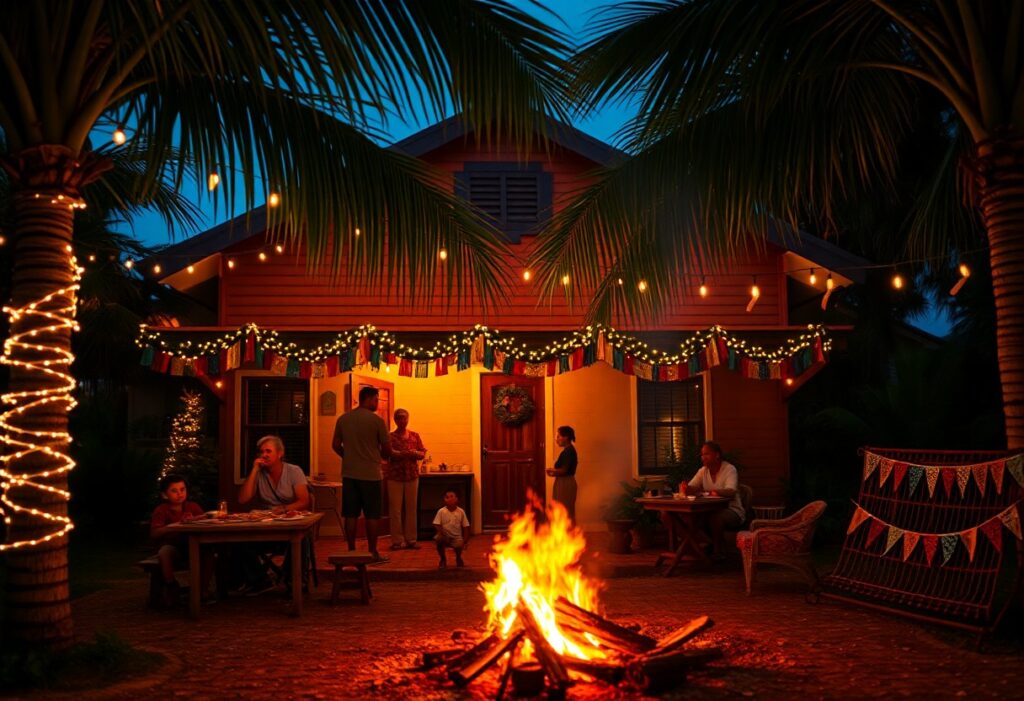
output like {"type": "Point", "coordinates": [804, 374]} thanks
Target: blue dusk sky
{"type": "Point", "coordinates": [151, 230]}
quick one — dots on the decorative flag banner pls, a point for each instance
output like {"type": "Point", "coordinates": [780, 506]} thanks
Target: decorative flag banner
{"type": "Point", "coordinates": [697, 353]}
{"type": "Point", "coordinates": [870, 463]}
{"type": "Point", "coordinates": [1015, 466]}
{"type": "Point", "coordinates": [899, 471]}
{"type": "Point", "coordinates": [884, 470]}
{"type": "Point", "coordinates": [996, 470]}
{"type": "Point", "coordinates": [980, 473]}
{"type": "Point", "coordinates": [991, 527]}
{"type": "Point", "coordinates": [932, 475]}
{"type": "Point", "coordinates": [910, 541]}
{"type": "Point", "coordinates": [914, 475]}
{"type": "Point", "coordinates": [963, 476]}
{"type": "Point", "coordinates": [948, 478]}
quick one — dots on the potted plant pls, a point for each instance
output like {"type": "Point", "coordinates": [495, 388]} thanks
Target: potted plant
{"type": "Point", "coordinates": [625, 517]}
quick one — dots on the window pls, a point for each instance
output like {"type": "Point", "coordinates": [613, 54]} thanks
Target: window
{"type": "Point", "coordinates": [670, 422]}
{"type": "Point", "coordinates": [278, 406]}
{"type": "Point", "coordinates": [516, 196]}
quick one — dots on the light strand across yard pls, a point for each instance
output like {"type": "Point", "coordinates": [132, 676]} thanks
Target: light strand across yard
{"type": "Point", "coordinates": [50, 365]}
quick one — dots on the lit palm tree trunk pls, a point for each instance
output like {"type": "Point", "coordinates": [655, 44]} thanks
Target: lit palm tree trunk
{"type": "Point", "coordinates": [37, 576]}
{"type": "Point", "coordinates": [1001, 199]}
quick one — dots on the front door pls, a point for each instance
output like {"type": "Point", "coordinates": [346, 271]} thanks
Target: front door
{"type": "Point", "coordinates": [513, 455]}
{"type": "Point", "coordinates": [385, 404]}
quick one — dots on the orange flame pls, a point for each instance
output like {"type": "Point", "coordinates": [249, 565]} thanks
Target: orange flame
{"type": "Point", "coordinates": [538, 563]}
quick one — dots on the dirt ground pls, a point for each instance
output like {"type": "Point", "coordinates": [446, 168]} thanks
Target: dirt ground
{"type": "Point", "coordinates": [776, 645]}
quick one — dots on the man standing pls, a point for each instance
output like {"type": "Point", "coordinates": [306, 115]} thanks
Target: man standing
{"type": "Point", "coordinates": [361, 439]}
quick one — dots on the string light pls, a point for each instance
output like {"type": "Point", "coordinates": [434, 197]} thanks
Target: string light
{"type": "Point", "coordinates": [526, 275]}
{"type": "Point", "coordinates": [830, 285]}
{"type": "Point", "coordinates": [279, 248]}
{"type": "Point", "coordinates": [357, 232]}
{"type": "Point", "coordinates": [813, 278]}
{"type": "Point", "coordinates": [185, 442]}
{"type": "Point", "coordinates": [3, 240]}
{"type": "Point", "coordinates": [231, 263]}
{"type": "Point", "coordinates": [642, 286]}
{"type": "Point", "coordinates": [442, 254]}
{"type": "Point", "coordinates": [51, 364]}
{"type": "Point", "coordinates": [703, 287]}
{"type": "Point", "coordinates": [897, 281]}
{"type": "Point", "coordinates": [119, 136]}
{"type": "Point", "coordinates": [755, 294]}
{"type": "Point", "coordinates": [386, 344]}
{"type": "Point", "coordinates": [565, 280]}
{"type": "Point", "coordinates": [965, 273]}
{"type": "Point", "coordinates": [263, 257]}
{"type": "Point", "coordinates": [157, 269]}
{"type": "Point", "coordinates": [621, 281]}
{"type": "Point", "coordinates": [129, 264]}
{"type": "Point", "coordinates": [92, 257]}
{"type": "Point", "coordinates": [274, 199]}
{"type": "Point", "coordinates": [191, 269]}
{"type": "Point", "coordinates": [212, 181]}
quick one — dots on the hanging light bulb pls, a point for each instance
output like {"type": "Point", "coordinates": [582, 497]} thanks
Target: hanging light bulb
{"type": "Point", "coordinates": [191, 269]}
{"type": "Point", "coordinates": [703, 287]}
{"type": "Point", "coordinates": [965, 273]}
{"type": "Point", "coordinates": [527, 275]}
{"type": "Point", "coordinates": [897, 281]}
{"type": "Point", "coordinates": [443, 254]}
{"type": "Point", "coordinates": [231, 263]}
{"type": "Point", "coordinates": [620, 282]}
{"type": "Point", "coordinates": [212, 181]}
{"type": "Point", "coordinates": [119, 136]}
{"type": "Point", "coordinates": [3, 240]}
{"type": "Point", "coordinates": [279, 248]}
{"type": "Point", "coordinates": [157, 269]}
{"type": "Point", "coordinates": [263, 257]}
{"type": "Point", "coordinates": [129, 264]}
{"type": "Point", "coordinates": [357, 232]}
{"type": "Point", "coordinates": [755, 294]}
{"type": "Point", "coordinates": [565, 280]}
{"type": "Point", "coordinates": [92, 257]}
{"type": "Point", "coordinates": [829, 286]}
{"type": "Point", "coordinates": [642, 286]}
{"type": "Point", "coordinates": [274, 199]}
{"type": "Point", "coordinates": [813, 278]}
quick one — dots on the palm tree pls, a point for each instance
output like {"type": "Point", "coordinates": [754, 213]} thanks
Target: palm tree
{"type": "Point", "coordinates": [291, 93]}
{"type": "Point", "coordinates": [753, 115]}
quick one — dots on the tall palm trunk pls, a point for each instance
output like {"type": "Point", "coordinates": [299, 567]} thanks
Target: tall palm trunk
{"type": "Point", "coordinates": [1000, 179]}
{"type": "Point", "coordinates": [46, 180]}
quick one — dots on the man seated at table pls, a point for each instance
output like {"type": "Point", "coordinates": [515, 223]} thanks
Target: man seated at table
{"type": "Point", "coordinates": [276, 484]}
{"type": "Point", "coordinates": [719, 479]}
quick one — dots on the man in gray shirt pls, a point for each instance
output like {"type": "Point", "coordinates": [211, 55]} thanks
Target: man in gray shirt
{"type": "Point", "coordinates": [361, 439]}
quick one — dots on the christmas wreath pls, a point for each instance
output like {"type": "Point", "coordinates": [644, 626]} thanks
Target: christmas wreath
{"type": "Point", "coordinates": [512, 406]}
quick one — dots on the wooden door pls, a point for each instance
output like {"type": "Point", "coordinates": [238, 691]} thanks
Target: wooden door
{"type": "Point", "coordinates": [513, 457]}
{"type": "Point", "coordinates": [385, 404]}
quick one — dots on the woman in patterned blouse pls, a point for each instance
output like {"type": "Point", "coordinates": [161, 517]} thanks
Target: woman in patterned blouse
{"type": "Point", "coordinates": [403, 476]}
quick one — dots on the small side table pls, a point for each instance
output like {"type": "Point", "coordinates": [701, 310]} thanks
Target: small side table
{"type": "Point", "coordinates": [327, 499]}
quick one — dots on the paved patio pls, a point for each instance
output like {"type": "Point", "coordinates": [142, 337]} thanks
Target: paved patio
{"type": "Point", "coordinates": [776, 646]}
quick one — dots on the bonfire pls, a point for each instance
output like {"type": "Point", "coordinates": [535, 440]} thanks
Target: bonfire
{"type": "Point", "coordinates": [545, 620]}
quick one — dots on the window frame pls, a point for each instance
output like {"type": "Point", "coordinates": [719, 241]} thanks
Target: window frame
{"type": "Point", "coordinates": [702, 424]}
{"type": "Point", "coordinates": [249, 433]}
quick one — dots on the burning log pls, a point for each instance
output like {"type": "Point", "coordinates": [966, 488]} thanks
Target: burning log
{"type": "Point", "coordinates": [485, 653]}
{"type": "Point", "coordinates": [609, 672]}
{"type": "Point", "coordinates": [550, 660]}
{"type": "Point", "coordinates": [507, 674]}
{"type": "Point", "coordinates": [436, 658]}
{"type": "Point", "coordinates": [681, 635]}
{"type": "Point", "coordinates": [656, 673]}
{"type": "Point", "coordinates": [610, 634]}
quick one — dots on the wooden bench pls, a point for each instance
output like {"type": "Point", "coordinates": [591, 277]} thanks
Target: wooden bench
{"type": "Point", "coordinates": [151, 566]}
{"type": "Point", "coordinates": [350, 573]}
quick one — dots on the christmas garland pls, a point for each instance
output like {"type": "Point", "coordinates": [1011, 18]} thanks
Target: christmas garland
{"type": "Point", "coordinates": [480, 345]}
{"type": "Point", "coordinates": [507, 411]}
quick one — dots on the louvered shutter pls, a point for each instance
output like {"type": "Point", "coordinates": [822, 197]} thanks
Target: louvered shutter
{"type": "Point", "coordinates": [517, 197]}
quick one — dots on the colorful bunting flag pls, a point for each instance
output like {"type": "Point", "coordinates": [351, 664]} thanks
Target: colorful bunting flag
{"type": "Point", "coordinates": [932, 475]}
{"type": "Point", "coordinates": [993, 530]}
{"type": "Point", "coordinates": [1015, 466]}
{"type": "Point", "coordinates": [884, 470]}
{"type": "Point", "coordinates": [948, 478]}
{"type": "Point", "coordinates": [948, 546]}
{"type": "Point", "coordinates": [980, 473]}
{"type": "Point", "coordinates": [930, 543]}
{"type": "Point", "coordinates": [914, 475]}
{"type": "Point", "coordinates": [892, 538]}
{"type": "Point", "coordinates": [996, 470]}
{"type": "Point", "coordinates": [899, 471]}
{"type": "Point", "coordinates": [1011, 520]}
{"type": "Point", "coordinates": [874, 531]}
{"type": "Point", "coordinates": [859, 516]}
{"type": "Point", "coordinates": [910, 541]}
{"type": "Point", "coordinates": [969, 538]}
{"type": "Point", "coordinates": [963, 476]}
{"type": "Point", "coordinates": [870, 463]}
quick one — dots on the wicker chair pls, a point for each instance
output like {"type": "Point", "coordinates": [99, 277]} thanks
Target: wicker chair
{"type": "Point", "coordinates": [785, 542]}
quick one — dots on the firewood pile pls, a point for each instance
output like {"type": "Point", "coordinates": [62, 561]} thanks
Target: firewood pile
{"type": "Point", "coordinates": [530, 662]}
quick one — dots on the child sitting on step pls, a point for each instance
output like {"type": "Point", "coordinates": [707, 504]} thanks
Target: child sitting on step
{"type": "Point", "coordinates": [452, 529]}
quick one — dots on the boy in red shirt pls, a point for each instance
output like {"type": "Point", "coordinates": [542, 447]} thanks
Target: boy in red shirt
{"type": "Point", "coordinates": [173, 552]}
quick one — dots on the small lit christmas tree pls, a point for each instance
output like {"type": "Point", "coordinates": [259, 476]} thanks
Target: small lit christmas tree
{"type": "Point", "coordinates": [189, 454]}
{"type": "Point", "coordinates": [186, 438]}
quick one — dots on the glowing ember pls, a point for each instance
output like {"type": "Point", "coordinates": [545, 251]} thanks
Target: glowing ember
{"type": "Point", "coordinates": [538, 563]}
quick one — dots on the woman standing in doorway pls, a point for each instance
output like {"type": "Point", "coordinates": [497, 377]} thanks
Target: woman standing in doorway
{"type": "Point", "coordinates": [564, 471]}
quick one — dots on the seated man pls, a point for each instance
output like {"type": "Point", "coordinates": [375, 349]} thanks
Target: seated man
{"type": "Point", "coordinates": [276, 484]}
{"type": "Point", "coordinates": [720, 479]}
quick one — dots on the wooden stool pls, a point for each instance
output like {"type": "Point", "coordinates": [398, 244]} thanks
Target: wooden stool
{"type": "Point", "coordinates": [352, 567]}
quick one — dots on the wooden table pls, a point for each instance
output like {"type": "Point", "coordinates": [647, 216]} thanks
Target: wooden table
{"type": "Point", "coordinates": [687, 517]}
{"type": "Point", "coordinates": [245, 532]}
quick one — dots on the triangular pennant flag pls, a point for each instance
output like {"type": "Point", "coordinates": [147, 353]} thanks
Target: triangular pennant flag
{"type": "Point", "coordinates": [859, 517]}
{"type": "Point", "coordinates": [980, 473]}
{"type": "Point", "coordinates": [1015, 465]}
{"type": "Point", "coordinates": [899, 471]}
{"type": "Point", "coordinates": [894, 536]}
{"type": "Point", "coordinates": [884, 470]}
{"type": "Point", "coordinates": [876, 530]}
{"type": "Point", "coordinates": [948, 478]}
{"type": "Point", "coordinates": [948, 547]}
{"type": "Point", "coordinates": [910, 540]}
{"type": "Point", "coordinates": [996, 470]}
{"type": "Point", "coordinates": [969, 538]}
{"type": "Point", "coordinates": [914, 475]}
{"type": "Point", "coordinates": [993, 530]}
{"type": "Point", "coordinates": [870, 463]}
{"type": "Point", "coordinates": [932, 475]}
{"type": "Point", "coordinates": [963, 476]}
{"type": "Point", "coordinates": [1011, 520]}
{"type": "Point", "coordinates": [930, 543]}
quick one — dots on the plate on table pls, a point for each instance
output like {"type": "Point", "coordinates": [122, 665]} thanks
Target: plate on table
{"type": "Point", "coordinates": [293, 517]}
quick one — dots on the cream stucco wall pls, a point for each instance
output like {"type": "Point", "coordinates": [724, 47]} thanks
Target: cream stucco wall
{"type": "Point", "coordinates": [598, 402]}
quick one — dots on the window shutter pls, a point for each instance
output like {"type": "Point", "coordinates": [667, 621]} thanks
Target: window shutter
{"type": "Point", "coordinates": [517, 197]}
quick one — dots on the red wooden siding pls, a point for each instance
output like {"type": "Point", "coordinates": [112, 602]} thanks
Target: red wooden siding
{"type": "Point", "coordinates": [750, 421]}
